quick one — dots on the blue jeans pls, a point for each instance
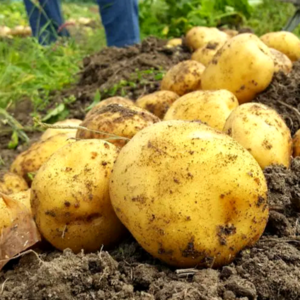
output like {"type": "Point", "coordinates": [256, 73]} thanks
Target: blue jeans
{"type": "Point", "coordinates": [119, 18]}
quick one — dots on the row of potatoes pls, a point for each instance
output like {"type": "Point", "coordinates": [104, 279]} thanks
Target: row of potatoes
{"type": "Point", "coordinates": [180, 169]}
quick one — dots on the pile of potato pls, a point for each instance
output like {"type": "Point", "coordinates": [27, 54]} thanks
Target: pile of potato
{"type": "Point", "coordinates": [181, 169]}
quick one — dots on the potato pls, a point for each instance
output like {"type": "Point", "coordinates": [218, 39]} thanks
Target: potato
{"type": "Point", "coordinates": [23, 197]}
{"type": "Point", "coordinates": [296, 144]}
{"type": "Point", "coordinates": [111, 100]}
{"type": "Point", "coordinates": [183, 78]}
{"type": "Point", "coordinates": [199, 36]}
{"type": "Point", "coordinates": [174, 43]}
{"type": "Point", "coordinates": [32, 159]}
{"type": "Point", "coordinates": [190, 195]}
{"type": "Point", "coordinates": [262, 132]}
{"type": "Point", "coordinates": [116, 120]}
{"type": "Point", "coordinates": [211, 107]}
{"type": "Point", "coordinates": [285, 42]}
{"type": "Point", "coordinates": [69, 122]}
{"type": "Point", "coordinates": [157, 103]}
{"type": "Point", "coordinates": [70, 197]}
{"type": "Point", "coordinates": [205, 54]}
{"type": "Point", "coordinates": [281, 61]}
{"type": "Point", "coordinates": [243, 66]}
{"type": "Point", "coordinates": [12, 183]}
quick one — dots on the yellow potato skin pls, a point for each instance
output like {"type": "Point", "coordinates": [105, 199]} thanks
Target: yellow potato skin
{"type": "Point", "coordinates": [199, 36]}
{"type": "Point", "coordinates": [12, 183]}
{"type": "Point", "coordinates": [281, 61]}
{"type": "Point", "coordinates": [296, 144]}
{"type": "Point", "coordinates": [202, 200]}
{"type": "Point", "coordinates": [262, 132]}
{"type": "Point", "coordinates": [32, 159]}
{"type": "Point", "coordinates": [116, 119]}
{"type": "Point", "coordinates": [70, 197]}
{"type": "Point", "coordinates": [210, 107]}
{"type": "Point", "coordinates": [69, 122]}
{"type": "Point", "coordinates": [23, 197]}
{"type": "Point", "coordinates": [157, 103]}
{"type": "Point", "coordinates": [183, 78]}
{"type": "Point", "coordinates": [285, 42]}
{"type": "Point", "coordinates": [174, 43]}
{"type": "Point", "coordinates": [243, 66]}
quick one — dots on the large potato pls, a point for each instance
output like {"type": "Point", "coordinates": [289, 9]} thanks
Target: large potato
{"type": "Point", "coordinates": [53, 131]}
{"type": "Point", "coordinates": [199, 36]}
{"type": "Point", "coordinates": [243, 66]}
{"type": "Point", "coordinates": [296, 144]}
{"type": "Point", "coordinates": [117, 120]}
{"type": "Point", "coordinates": [205, 54]}
{"type": "Point", "coordinates": [32, 159]}
{"type": "Point", "coordinates": [111, 100]}
{"type": "Point", "coordinates": [183, 78]}
{"type": "Point", "coordinates": [12, 183]}
{"type": "Point", "coordinates": [157, 103]}
{"type": "Point", "coordinates": [70, 197]}
{"type": "Point", "coordinates": [262, 132]}
{"type": "Point", "coordinates": [285, 42]}
{"type": "Point", "coordinates": [190, 195]}
{"type": "Point", "coordinates": [281, 61]}
{"type": "Point", "coordinates": [211, 107]}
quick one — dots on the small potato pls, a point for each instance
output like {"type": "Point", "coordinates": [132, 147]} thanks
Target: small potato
{"type": "Point", "coordinates": [296, 144]}
{"type": "Point", "coordinates": [69, 122]}
{"type": "Point", "coordinates": [12, 183]}
{"type": "Point", "coordinates": [285, 42]}
{"type": "Point", "coordinates": [231, 33]}
{"type": "Point", "coordinates": [243, 66]}
{"type": "Point", "coordinates": [70, 197]}
{"type": "Point", "coordinates": [174, 43]}
{"type": "Point", "coordinates": [205, 54]}
{"type": "Point", "coordinates": [199, 36]}
{"type": "Point", "coordinates": [23, 197]}
{"type": "Point", "coordinates": [211, 107]}
{"type": "Point", "coordinates": [111, 100]}
{"type": "Point", "coordinates": [32, 159]}
{"type": "Point", "coordinates": [116, 120]}
{"type": "Point", "coordinates": [183, 78]}
{"type": "Point", "coordinates": [157, 103]}
{"type": "Point", "coordinates": [190, 195]}
{"type": "Point", "coordinates": [262, 132]}
{"type": "Point", "coordinates": [281, 61]}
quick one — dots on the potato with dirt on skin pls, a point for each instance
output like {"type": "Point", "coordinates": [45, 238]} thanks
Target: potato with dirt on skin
{"type": "Point", "coordinates": [116, 123]}
{"type": "Point", "coordinates": [12, 183]}
{"type": "Point", "coordinates": [157, 103]}
{"type": "Point", "coordinates": [183, 78]}
{"type": "Point", "coordinates": [203, 199]}
{"type": "Point", "coordinates": [285, 42]}
{"type": "Point", "coordinates": [296, 144]}
{"type": "Point", "coordinates": [199, 36]}
{"type": "Point", "coordinates": [243, 66]}
{"type": "Point", "coordinates": [54, 131]}
{"type": "Point", "coordinates": [38, 153]}
{"type": "Point", "coordinates": [281, 61]}
{"type": "Point", "coordinates": [70, 197]}
{"type": "Point", "coordinates": [263, 132]}
{"type": "Point", "coordinates": [23, 197]}
{"type": "Point", "coordinates": [205, 54]}
{"type": "Point", "coordinates": [174, 43]}
{"type": "Point", "coordinates": [210, 107]}
{"type": "Point", "coordinates": [112, 100]}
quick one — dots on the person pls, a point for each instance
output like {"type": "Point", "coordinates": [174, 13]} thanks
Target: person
{"type": "Point", "coordinates": [119, 18]}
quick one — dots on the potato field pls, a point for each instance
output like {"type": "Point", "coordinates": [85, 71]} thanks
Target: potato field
{"type": "Point", "coordinates": [182, 181]}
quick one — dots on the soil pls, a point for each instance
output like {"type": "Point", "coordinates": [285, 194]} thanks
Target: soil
{"type": "Point", "coordinates": [269, 270]}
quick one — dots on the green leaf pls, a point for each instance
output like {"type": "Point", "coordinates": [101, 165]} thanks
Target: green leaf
{"type": "Point", "coordinates": [55, 112]}
{"type": "Point", "coordinates": [14, 142]}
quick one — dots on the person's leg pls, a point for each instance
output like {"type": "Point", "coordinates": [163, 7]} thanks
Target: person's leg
{"type": "Point", "coordinates": [45, 19]}
{"type": "Point", "coordinates": [121, 22]}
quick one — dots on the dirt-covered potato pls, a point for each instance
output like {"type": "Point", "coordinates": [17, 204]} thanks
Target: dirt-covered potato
{"type": "Point", "coordinates": [116, 120]}
{"type": "Point", "coordinates": [199, 36]}
{"type": "Point", "coordinates": [203, 198]}
{"type": "Point", "coordinates": [157, 103]}
{"type": "Point", "coordinates": [210, 107]}
{"type": "Point", "coordinates": [32, 159]}
{"type": "Point", "coordinates": [262, 132]}
{"type": "Point", "coordinates": [285, 42]}
{"type": "Point", "coordinates": [70, 197]}
{"type": "Point", "coordinates": [205, 54]}
{"type": "Point", "coordinates": [12, 183]}
{"type": "Point", "coordinates": [296, 144]}
{"type": "Point", "coordinates": [68, 122]}
{"type": "Point", "coordinates": [174, 43]}
{"type": "Point", "coordinates": [281, 61]}
{"type": "Point", "coordinates": [243, 66]}
{"type": "Point", "coordinates": [183, 78]}
{"type": "Point", "coordinates": [111, 100]}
